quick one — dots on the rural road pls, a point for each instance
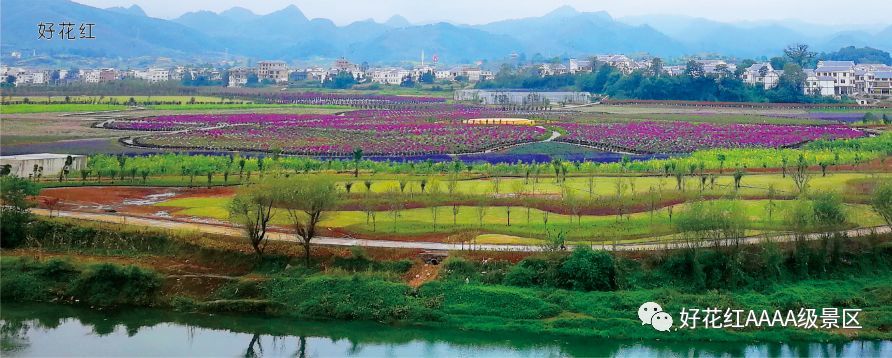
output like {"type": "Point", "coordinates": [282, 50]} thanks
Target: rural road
{"type": "Point", "coordinates": [347, 241]}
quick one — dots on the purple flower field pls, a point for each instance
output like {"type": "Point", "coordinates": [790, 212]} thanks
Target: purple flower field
{"type": "Point", "coordinates": [683, 137]}
{"type": "Point", "coordinates": [381, 132]}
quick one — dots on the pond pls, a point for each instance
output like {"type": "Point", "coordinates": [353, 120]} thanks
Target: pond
{"type": "Point", "coordinates": [56, 330]}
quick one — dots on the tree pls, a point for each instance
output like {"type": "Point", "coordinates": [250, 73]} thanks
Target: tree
{"type": "Point", "coordinates": [407, 82]}
{"type": "Point", "coordinates": [800, 174]}
{"type": "Point", "coordinates": [588, 270]}
{"type": "Point", "coordinates": [341, 80]}
{"type": "Point", "coordinates": [14, 214]}
{"type": "Point", "coordinates": [829, 213]}
{"type": "Point", "coordinates": [656, 67]}
{"type": "Point", "coordinates": [694, 69]}
{"type": "Point", "coordinates": [357, 157]}
{"type": "Point", "coordinates": [799, 54]}
{"type": "Point", "coordinates": [252, 210]}
{"type": "Point", "coordinates": [859, 55]}
{"type": "Point", "coordinates": [306, 200]}
{"type": "Point", "coordinates": [715, 220]}
{"type": "Point", "coordinates": [881, 202]}
{"type": "Point", "coordinates": [252, 81]}
{"type": "Point", "coordinates": [427, 77]}
{"type": "Point", "coordinates": [738, 175]}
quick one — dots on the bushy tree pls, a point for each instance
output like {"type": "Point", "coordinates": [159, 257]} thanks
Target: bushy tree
{"type": "Point", "coordinates": [14, 214]}
{"type": "Point", "coordinates": [881, 201]}
{"type": "Point", "coordinates": [588, 270]}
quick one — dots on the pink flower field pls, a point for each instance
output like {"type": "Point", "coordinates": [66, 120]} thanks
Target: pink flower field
{"type": "Point", "coordinates": [381, 132]}
{"type": "Point", "coordinates": [683, 137]}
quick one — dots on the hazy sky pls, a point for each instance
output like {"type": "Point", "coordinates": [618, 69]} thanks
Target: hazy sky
{"type": "Point", "coordinates": [482, 11]}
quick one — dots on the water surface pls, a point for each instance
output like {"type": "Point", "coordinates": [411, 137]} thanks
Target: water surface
{"type": "Point", "coordinates": [55, 330]}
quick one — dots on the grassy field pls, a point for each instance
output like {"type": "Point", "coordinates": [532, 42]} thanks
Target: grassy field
{"type": "Point", "coordinates": [494, 220]}
{"type": "Point", "coordinates": [751, 184]}
{"type": "Point", "coordinates": [51, 108]}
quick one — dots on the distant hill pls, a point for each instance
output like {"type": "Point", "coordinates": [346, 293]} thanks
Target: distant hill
{"type": "Point", "coordinates": [566, 31]}
{"type": "Point", "coordinates": [453, 44]}
{"type": "Point", "coordinates": [288, 34]}
{"type": "Point", "coordinates": [759, 38]}
{"type": "Point", "coordinates": [132, 10]}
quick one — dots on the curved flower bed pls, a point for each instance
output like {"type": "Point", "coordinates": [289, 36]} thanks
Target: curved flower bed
{"type": "Point", "coordinates": [683, 137]}
{"type": "Point", "coordinates": [377, 132]}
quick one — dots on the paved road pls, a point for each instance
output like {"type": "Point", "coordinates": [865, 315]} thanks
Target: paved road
{"type": "Point", "coordinates": [347, 241]}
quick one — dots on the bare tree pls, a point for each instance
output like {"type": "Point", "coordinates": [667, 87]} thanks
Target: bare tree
{"type": "Point", "coordinates": [252, 210]}
{"type": "Point", "coordinates": [306, 200]}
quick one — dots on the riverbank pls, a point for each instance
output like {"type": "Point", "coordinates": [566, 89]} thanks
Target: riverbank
{"type": "Point", "coordinates": [585, 294]}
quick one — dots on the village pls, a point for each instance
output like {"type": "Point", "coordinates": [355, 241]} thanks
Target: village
{"type": "Point", "coordinates": [837, 79]}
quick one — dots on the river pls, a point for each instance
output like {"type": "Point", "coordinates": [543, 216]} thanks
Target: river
{"type": "Point", "coordinates": [56, 330]}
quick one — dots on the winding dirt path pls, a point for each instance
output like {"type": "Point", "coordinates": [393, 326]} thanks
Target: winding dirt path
{"type": "Point", "coordinates": [346, 241]}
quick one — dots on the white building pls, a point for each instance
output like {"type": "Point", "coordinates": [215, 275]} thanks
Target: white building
{"type": "Point", "coordinates": [159, 75]}
{"type": "Point", "coordinates": [276, 71]}
{"type": "Point", "coordinates": [761, 74]}
{"type": "Point", "coordinates": [389, 76]}
{"type": "Point", "coordinates": [577, 66]}
{"type": "Point", "coordinates": [444, 75]}
{"type": "Point", "coordinates": [843, 74]}
{"type": "Point", "coordinates": [716, 66]}
{"type": "Point", "coordinates": [621, 62]}
{"type": "Point", "coordinates": [818, 85]}
{"type": "Point", "coordinates": [44, 164]}
{"type": "Point", "coordinates": [238, 76]}
{"type": "Point", "coordinates": [550, 69]}
{"type": "Point", "coordinates": [90, 76]}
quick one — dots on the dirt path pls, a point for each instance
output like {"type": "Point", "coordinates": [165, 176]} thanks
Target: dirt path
{"type": "Point", "coordinates": [343, 241]}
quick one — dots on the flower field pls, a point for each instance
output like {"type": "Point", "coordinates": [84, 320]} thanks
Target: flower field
{"type": "Point", "coordinates": [683, 137]}
{"type": "Point", "coordinates": [433, 130]}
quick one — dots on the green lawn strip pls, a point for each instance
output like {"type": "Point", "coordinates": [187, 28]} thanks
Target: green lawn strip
{"type": "Point", "coordinates": [636, 227]}
{"type": "Point", "coordinates": [45, 108]}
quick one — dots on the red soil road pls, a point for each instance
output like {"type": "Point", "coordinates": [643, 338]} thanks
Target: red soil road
{"type": "Point", "coordinates": [126, 199]}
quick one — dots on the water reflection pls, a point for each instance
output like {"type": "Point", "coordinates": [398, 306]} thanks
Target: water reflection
{"type": "Point", "coordinates": [53, 330]}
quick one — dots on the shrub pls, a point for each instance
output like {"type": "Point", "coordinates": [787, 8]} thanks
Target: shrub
{"type": "Point", "coordinates": [349, 298]}
{"type": "Point", "coordinates": [499, 301]}
{"type": "Point", "coordinates": [22, 287]}
{"type": "Point", "coordinates": [459, 268]}
{"type": "Point", "coordinates": [588, 270]}
{"type": "Point", "coordinates": [112, 285]}
{"type": "Point", "coordinates": [829, 213]}
{"type": "Point", "coordinates": [359, 262]}
{"type": "Point", "coordinates": [532, 271]}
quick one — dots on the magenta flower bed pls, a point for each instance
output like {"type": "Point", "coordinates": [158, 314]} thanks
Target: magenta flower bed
{"type": "Point", "coordinates": [437, 130]}
{"type": "Point", "coordinates": [682, 137]}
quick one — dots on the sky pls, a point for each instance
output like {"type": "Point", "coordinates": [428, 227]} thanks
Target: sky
{"type": "Point", "coordinates": [343, 12]}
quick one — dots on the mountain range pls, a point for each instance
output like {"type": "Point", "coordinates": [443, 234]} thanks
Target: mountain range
{"type": "Point", "coordinates": [290, 35]}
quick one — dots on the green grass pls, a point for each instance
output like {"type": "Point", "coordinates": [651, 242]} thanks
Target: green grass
{"type": "Point", "coordinates": [584, 229]}
{"type": "Point", "coordinates": [45, 108]}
